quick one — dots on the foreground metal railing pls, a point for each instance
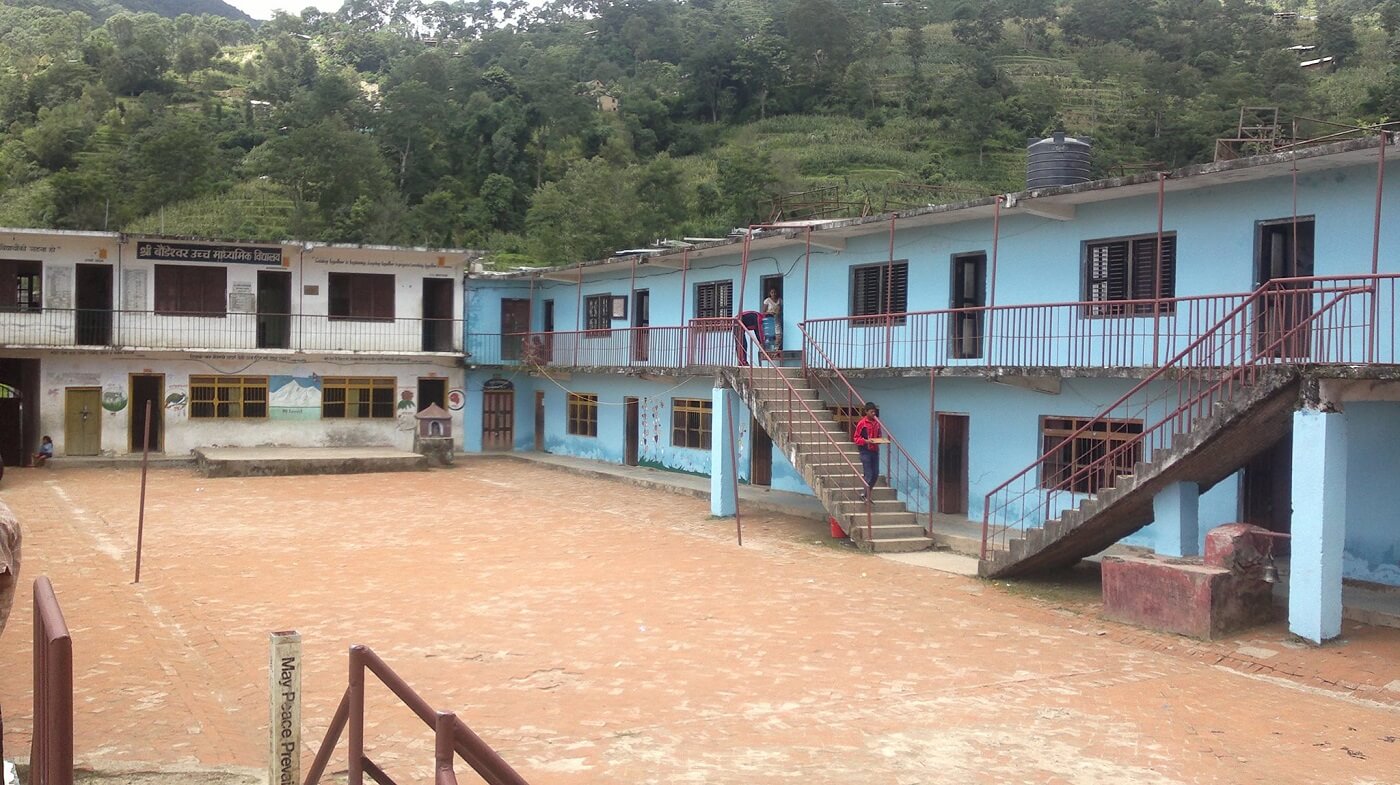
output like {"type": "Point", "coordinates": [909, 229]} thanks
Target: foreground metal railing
{"type": "Point", "coordinates": [51, 756]}
{"type": "Point", "coordinates": [74, 328]}
{"type": "Point", "coordinates": [903, 473]}
{"type": "Point", "coordinates": [1325, 320]}
{"type": "Point", "coordinates": [451, 735]}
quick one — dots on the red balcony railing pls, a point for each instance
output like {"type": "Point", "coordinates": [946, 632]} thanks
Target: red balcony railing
{"type": "Point", "coordinates": [66, 327]}
{"type": "Point", "coordinates": [1325, 320]}
{"type": "Point", "coordinates": [1131, 333]}
{"type": "Point", "coordinates": [703, 342]}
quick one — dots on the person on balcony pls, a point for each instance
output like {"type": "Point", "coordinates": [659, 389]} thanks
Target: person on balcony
{"type": "Point", "coordinates": [868, 436]}
{"type": "Point", "coordinates": [772, 315]}
{"type": "Point", "coordinates": [44, 454]}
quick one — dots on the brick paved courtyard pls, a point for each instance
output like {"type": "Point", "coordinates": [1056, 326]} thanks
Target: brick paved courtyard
{"type": "Point", "coordinates": [595, 632]}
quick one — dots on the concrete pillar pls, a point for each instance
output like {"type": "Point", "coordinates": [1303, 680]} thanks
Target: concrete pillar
{"type": "Point", "coordinates": [1319, 524]}
{"type": "Point", "coordinates": [723, 503]}
{"type": "Point", "coordinates": [1176, 511]}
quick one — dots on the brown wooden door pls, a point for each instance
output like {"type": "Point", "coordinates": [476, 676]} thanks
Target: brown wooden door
{"type": "Point", "coordinates": [515, 322]}
{"type": "Point", "coordinates": [438, 318]}
{"type": "Point", "coordinates": [632, 415]}
{"type": "Point", "coordinates": [498, 420]}
{"type": "Point", "coordinates": [641, 319]}
{"type": "Point", "coordinates": [147, 388]}
{"type": "Point", "coordinates": [1284, 250]}
{"type": "Point", "coordinates": [761, 464]}
{"type": "Point", "coordinates": [93, 301]}
{"type": "Point", "coordinates": [952, 463]}
{"type": "Point", "coordinates": [274, 309]}
{"type": "Point", "coordinates": [82, 421]}
{"type": "Point", "coordinates": [539, 421]}
{"type": "Point", "coordinates": [1267, 499]}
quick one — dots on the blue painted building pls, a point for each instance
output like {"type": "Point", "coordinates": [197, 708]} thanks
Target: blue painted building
{"type": "Point", "coordinates": [1122, 360]}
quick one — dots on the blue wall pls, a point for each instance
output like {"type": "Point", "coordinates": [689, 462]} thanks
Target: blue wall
{"type": "Point", "coordinates": [655, 447]}
{"type": "Point", "coordinates": [1373, 492]}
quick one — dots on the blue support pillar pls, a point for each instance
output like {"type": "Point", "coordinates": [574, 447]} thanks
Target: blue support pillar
{"type": "Point", "coordinates": [723, 503]}
{"type": "Point", "coordinates": [1176, 511]}
{"type": "Point", "coordinates": [1319, 524]}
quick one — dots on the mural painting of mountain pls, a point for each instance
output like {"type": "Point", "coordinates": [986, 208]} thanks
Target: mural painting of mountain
{"type": "Point", "coordinates": [294, 397]}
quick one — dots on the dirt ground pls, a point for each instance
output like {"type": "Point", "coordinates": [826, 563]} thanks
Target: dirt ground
{"type": "Point", "coordinates": [596, 632]}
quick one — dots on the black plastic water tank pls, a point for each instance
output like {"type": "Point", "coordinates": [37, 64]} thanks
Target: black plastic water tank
{"type": "Point", "coordinates": [1057, 160]}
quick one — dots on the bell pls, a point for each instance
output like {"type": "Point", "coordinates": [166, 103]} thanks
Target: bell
{"type": "Point", "coordinates": [1270, 573]}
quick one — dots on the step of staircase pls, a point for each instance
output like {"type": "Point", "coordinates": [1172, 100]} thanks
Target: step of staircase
{"type": "Point", "coordinates": [800, 423]}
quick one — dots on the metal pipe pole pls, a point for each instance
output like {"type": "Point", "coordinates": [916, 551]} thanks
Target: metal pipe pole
{"type": "Point", "coordinates": [932, 435]}
{"type": "Point", "coordinates": [141, 514]}
{"type": "Point", "coordinates": [686, 336]}
{"type": "Point", "coordinates": [1157, 272]}
{"type": "Point", "coordinates": [1376, 245]}
{"type": "Point", "coordinates": [889, 301]}
{"type": "Point", "coordinates": [734, 458]}
{"type": "Point", "coordinates": [996, 235]}
{"type": "Point", "coordinates": [806, 274]}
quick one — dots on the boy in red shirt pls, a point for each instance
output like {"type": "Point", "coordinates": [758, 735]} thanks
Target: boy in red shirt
{"type": "Point", "coordinates": [868, 437]}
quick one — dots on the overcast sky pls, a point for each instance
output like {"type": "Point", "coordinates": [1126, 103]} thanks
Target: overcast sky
{"type": "Point", "coordinates": [262, 9]}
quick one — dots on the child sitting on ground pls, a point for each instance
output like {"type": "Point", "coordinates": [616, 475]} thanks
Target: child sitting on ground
{"type": "Point", "coordinates": [45, 452]}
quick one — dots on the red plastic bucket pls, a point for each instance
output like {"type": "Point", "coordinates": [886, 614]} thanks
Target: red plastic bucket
{"type": "Point", "coordinates": [836, 530]}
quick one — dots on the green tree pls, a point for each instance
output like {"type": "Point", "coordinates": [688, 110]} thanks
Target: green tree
{"type": "Point", "coordinates": [325, 164]}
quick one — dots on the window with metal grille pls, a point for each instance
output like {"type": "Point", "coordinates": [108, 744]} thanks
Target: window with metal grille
{"type": "Point", "coordinates": [1117, 271]}
{"type": "Point", "coordinates": [583, 414]}
{"type": "Point", "coordinates": [189, 290]}
{"type": "Point", "coordinates": [597, 313]}
{"type": "Point", "coordinates": [228, 397]}
{"type": "Point", "coordinates": [690, 422]}
{"type": "Point", "coordinates": [879, 289]}
{"type": "Point", "coordinates": [1091, 460]}
{"type": "Point", "coordinates": [357, 397]}
{"type": "Point", "coordinates": [714, 300]}
{"type": "Point", "coordinates": [360, 297]}
{"type": "Point", "coordinates": [19, 285]}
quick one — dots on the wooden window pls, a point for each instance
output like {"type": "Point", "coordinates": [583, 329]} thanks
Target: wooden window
{"type": "Point", "coordinates": [714, 300]}
{"type": "Point", "coordinates": [878, 289]}
{"type": "Point", "coordinates": [357, 397]}
{"type": "Point", "coordinates": [189, 290]}
{"type": "Point", "coordinates": [19, 285]}
{"type": "Point", "coordinates": [1117, 271]}
{"type": "Point", "coordinates": [228, 397]}
{"type": "Point", "coordinates": [597, 310]}
{"type": "Point", "coordinates": [583, 414]}
{"type": "Point", "coordinates": [690, 422]}
{"type": "Point", "coordinates": [1078, 464]}
{"type": "Point", "coordinates": [361, 297]}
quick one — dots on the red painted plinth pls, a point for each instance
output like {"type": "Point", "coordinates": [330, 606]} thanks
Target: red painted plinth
{"type": "Point", "coordinates": [1183, 597]}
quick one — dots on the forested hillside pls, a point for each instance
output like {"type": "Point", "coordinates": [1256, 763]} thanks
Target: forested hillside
{"type": "Point", "coordinates": [564, 131]}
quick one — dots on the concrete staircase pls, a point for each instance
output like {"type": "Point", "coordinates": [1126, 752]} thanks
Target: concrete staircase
{"type": "Point", "coordinates": [1217, 446]}
{"type": "Point", "coordinates": [795, 416]}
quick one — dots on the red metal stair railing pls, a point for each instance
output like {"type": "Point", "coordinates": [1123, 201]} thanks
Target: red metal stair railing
{"type": "Point", "coordinates": [902, 472]}
{"type": "Point", "coordinates": [1284, 322]}
{"type": "Point", "coordinates": [451, 735]}
{"type": "Point", "coordinates": [747, 347]}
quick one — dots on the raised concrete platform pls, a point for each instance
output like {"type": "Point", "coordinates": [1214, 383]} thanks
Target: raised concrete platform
{"type": "Point", "coordinates": [278, 461]}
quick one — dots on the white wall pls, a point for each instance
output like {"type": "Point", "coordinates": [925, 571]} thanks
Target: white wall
{"type": "Point", "coordinates": [284, 426]}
